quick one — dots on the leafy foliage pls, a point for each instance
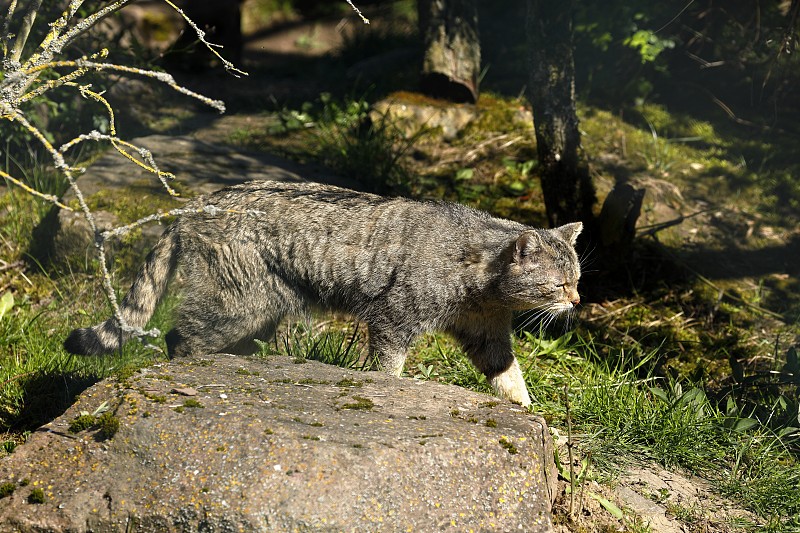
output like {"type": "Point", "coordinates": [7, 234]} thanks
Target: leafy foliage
{"type": "Point", "coordinates": [366, 147]}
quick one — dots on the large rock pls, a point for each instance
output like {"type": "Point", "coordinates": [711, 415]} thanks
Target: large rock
{"type": "Point", "coordinates": [228, 443]}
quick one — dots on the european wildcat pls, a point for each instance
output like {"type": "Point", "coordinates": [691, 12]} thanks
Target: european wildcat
{"type": "Point", "coordinates": [256, 252]}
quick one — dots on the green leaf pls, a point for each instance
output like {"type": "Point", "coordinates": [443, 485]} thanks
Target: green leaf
{"type": "Point", "coordinates": [615, 511]}
{"type": "Point", "coordinates": [464, 174]}
{"type": "Point", "coordinates": [517, 187]}
{"type": "Point", "coordinates": [584, 469]}
{"type": "Point", "coordinates": [659, 393]}
{"type": "Point", "coordinates": [563, 471]}
{"type": "Point", "coordinates": [743, 424]}
{"type": "Point", "coordinates": [103, 407]}
{"type": "Point", "coordinates": [648, 44]}
{"type": "Point", "coordinates": [6, 303]}
{"type": "Point", "coordinates": [731, 408]}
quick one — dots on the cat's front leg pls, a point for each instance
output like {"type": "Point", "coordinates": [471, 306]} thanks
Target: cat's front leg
{"type": "Point", "coordinates": [510, 384]}
{"type": "Point", "coordinates": [491, 353]}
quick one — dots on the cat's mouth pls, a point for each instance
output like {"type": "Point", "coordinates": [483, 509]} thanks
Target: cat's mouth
{"type": "Point", "coordinates": [564, 307]}
{"type": "Point", "coordinates": [544, 306]}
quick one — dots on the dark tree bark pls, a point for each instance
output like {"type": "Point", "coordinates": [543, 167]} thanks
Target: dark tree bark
{"type": "Point", "coordinates": [452, 59]}
{"type": "Point", "coordinates": [567, 187]}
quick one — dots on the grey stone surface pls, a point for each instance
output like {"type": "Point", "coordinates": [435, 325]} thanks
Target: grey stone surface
{"type": "Point", "coordinates": [273, 445]}
{"type": "Point", "coordinates": [410, 117]}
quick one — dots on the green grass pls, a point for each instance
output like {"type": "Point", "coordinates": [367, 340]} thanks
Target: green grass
{"type": "Point", "coordinates": [369, 150]}
{"type": "Point", "coordinates": [631, 416]}
{"type": "Point", "coordinates": [344, 136]}
{"type": "Point", "coordinates": [626, 414]}
{"type": "Point", "coordinates": [335, 346]}
{"type": "Point", "coordinates": [37, 377]}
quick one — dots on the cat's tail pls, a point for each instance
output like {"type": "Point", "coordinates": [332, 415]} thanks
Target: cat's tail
{"type": "Point", "coordinates": [138, 305]}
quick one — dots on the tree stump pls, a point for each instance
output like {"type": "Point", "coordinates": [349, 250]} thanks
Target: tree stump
{"type": "Point", "coordinates": [452, 59]}
{"type": "Point", "coordinates": [617, 221]}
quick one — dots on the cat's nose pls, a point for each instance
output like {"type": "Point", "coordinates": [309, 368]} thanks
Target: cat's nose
{"type": "Point", "coordinates": [576, 302]}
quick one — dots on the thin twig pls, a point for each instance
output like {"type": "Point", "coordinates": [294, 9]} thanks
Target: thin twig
{"type": "Point", "coordinates": [358, 12]}
{"type": "Point", "coordinates": [5, 33]}
{"type": "Point", "coordinates": [18, 376]}
{"type": "Point", "coordinates": [570, 454]}
{"type": "Point", "coordinates": [49, 197]}
{"type": "Point", "coordinates": [8, 266]}
{"type": "Point", "coordinates": [211, 46]}
{"type": "Point", "coordinates": [163, 77]}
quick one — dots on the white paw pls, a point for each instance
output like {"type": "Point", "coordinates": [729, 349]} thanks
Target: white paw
{"type": "Point", "coordinates": [511, 385]}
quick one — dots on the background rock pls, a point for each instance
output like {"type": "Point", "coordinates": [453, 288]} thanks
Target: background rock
{"type": "Point", "coordinates": [271, 444]}
{"type": "Point", "coordinates": [411, 117]}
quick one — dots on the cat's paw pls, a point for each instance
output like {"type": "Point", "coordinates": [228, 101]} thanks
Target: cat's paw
{"type": "Point", "coordinates": [510, 385]}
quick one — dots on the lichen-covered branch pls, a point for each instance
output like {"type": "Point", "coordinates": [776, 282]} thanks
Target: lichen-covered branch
{"type": "Point", "coordinates": [5, 34]}
{"type": "Point", "coordinates": [24, 31]}
{"type": "Point", "coordinates": [202, 36]}
{"type": "Point", "coordinates": [22, 70]}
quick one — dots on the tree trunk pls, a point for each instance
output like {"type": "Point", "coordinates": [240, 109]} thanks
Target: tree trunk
{"type": "Point", "coordinates": [452, 59]}
{"type": "Point", "coordinates": [568, 191]}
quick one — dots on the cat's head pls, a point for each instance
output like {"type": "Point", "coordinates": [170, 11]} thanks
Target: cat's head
{"type": "Point", "coordinates": [544, 270]}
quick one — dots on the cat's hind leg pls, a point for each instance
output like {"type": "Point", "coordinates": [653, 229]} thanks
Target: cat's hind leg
{"type": "Point", "coordinates": [221, 332]}
{"type": "Point", "coordinates": [213, 321]}
{"type": "Point", "coordinates": [387, 350]}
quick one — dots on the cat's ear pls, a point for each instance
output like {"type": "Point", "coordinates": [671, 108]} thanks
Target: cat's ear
{"type": "Point", "coordinates": [570, 232]}
{"type": "Point", "coordinates": [526, 246]}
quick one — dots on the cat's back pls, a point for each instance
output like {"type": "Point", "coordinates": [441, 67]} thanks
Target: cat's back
{"type": "Point", "coordinates": [298, 209]}
{"type": "Point", "coordinates": [348, 249]}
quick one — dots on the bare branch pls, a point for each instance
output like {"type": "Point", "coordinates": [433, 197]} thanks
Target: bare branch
{"type": "Point", "coordinates": [202, 36]}
{"type": "Point", "coordinates": [49, 197]}
{"type": "Point", "coordinates": [4, 32]}
{"type": "Point", "coordinates": [358, 12]}
{"type": "Point", "coordinates": [27, 23]}
{"type": "Point", "coordinates": [21, 71]}
{"type": "Point", "coordinates": [54, 43]}
{"type": "Point", "coordinates": [163, 77]}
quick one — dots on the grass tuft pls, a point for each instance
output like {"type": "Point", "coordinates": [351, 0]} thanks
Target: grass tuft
{"type": "Point", "coordinates": [7, 489]}
{"type": "Point", "coordinates": [36, 496]}
{"type": "Point", "coordinates": [333, 347]}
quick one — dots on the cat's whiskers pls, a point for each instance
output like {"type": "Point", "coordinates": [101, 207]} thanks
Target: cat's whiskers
{"type": "Point", "coordinates": [586, 258]}
{"type": "Point", "coordinates": [549, 310]}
